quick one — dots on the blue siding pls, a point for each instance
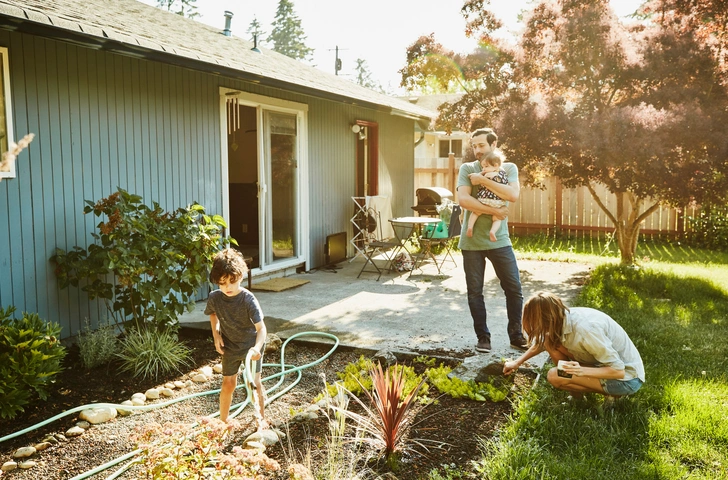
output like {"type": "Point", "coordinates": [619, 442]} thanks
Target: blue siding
{"type": "Point", "coordinates": [104, 121]}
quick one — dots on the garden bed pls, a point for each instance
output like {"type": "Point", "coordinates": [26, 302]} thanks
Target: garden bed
{"type": "Point", "coordinates": [456, 425]}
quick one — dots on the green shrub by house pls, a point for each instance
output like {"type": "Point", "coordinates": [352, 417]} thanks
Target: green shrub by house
{"type": "Point", "coordinates": [30, 356]}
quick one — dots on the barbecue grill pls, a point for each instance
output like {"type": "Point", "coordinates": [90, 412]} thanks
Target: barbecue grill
{"type": "Point", "coordinates": [429, 198]}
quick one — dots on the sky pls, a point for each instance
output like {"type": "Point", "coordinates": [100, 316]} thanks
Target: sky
{"type": "Point", "coordinates": [378, 31]}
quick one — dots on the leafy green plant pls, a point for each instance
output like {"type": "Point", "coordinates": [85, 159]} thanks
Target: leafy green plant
{"type": "Point", "coordinates": [387, 422]}
{"type": "Point", "coordinates": [146, 264]}
{"type": "Point", "coordinates": [458, 388]}
{"type": "Point", "coordinates": [177, 450]}
{"type": "Point", "coordinates": [709, 228]}
{"type": "Point", "coordinates": [149, 353]}
{"type": "Point", "coordinates": [99, 346]}
{"type": "Point", "coordinates": [30, 356]}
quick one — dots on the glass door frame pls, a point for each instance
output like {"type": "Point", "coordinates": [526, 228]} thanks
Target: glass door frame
{"type": "Point", "coordinates": [262, 103]}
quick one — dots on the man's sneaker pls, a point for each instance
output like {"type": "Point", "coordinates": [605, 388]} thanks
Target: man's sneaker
{"type": "Point", "coordinates": [519, 343]}
{"type": "Point", "coordinates": [483, 346]}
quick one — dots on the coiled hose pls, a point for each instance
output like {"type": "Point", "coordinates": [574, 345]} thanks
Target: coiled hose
{"type": "Point", "coordinates": [238, 408]}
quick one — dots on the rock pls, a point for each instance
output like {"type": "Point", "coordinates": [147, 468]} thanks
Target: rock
{"type": "Point", "coordinates": [39, 447]}
{"type": "Point", "coordinates": [170, 385]}
{"type": "Point", "coordinates": [98, 415]}
{"type": "Point", "coordinates": [60, 437]}
{"type": "Point", "coordinates": [138, 399]}
{"type": "Point", "coordinates": [166, 392]}
{"type": "Point", "coordinates": [281, 435]}
{"type": "Point", "coordinates": [83, 424]}
{"type": "Point", "coordinates": [9, 466]}
{"type": "Point", "coordinates": [272, 343]}
{"type": "Point", "coordinates": [304, 416]}
{"type": "Point", "coordinates": [24, 452]}
{"type": "Point", "coordinates": [385, 357]}
{"type": "Point", "coordinates": [50, 439]}
{"type": "Point", "coordinates": [189, 383]}
{"type": "Point", "coordinates": [206, 371]}
{"type": "Point", "coordinates": [313, 408]}
{"type": "Point", "coordinates": [75, 432]}
{"type": "Point", "coordinates": [266, 437]}
{"type": "Point", "coordinates": [217, 368]}
{"type": "Point", "coordinates": [199, 378]}
{"type": "Point", "coordinates": [480, 368]}
{"type": "Point", "coordinates": [27, 464]}
{"type": "Point", "coordinates": [123, 412]}
{"type": "Point", "coordinates": [179, 384]}
{"type": "Point", "coordinates": [152, 394]}
{"type": "Point", "coordinates": [253, 445]}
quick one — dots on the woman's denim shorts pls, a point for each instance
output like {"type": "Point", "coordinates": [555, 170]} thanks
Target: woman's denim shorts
{"type": "Point", "coordinates": [620, 387]}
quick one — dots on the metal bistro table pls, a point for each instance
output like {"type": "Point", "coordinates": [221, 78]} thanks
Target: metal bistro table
{"type": "Point", "coordinates": [405, 227]}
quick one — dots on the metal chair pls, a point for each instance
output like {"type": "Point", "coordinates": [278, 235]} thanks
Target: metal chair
{"type": "Point", "coordinates": [374, 244]}
{"type": "Point", "coordinates": [427, 241]}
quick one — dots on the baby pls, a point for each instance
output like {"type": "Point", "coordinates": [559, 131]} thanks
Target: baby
{"type": "Point", "coordinates": [491, 169]}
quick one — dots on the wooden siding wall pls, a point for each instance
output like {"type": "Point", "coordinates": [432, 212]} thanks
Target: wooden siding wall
{"type": "Point", "coordinates": [104, 121]}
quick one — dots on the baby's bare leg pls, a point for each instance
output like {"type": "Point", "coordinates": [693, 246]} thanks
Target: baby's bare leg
{"type": "Point", "coordinates": [471, 223]}
{"type": "Point", "coordinates": [493, 229]}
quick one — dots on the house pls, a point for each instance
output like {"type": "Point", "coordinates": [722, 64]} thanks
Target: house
{"type": "Point", "coordinates": [121, 94]}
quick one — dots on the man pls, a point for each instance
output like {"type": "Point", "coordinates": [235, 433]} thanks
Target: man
{"type": "Point", "coordinates": [479, 247]}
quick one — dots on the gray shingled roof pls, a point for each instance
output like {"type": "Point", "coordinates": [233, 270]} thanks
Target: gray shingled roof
{"type": "Point", "coordinates": [141, 30]}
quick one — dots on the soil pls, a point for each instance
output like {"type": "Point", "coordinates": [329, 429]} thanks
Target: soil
{"type": "Point", "coordinates": [456, 426]}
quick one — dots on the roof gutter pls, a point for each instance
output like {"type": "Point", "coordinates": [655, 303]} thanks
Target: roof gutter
{"type": "Point", "coordinates": [94, 42]}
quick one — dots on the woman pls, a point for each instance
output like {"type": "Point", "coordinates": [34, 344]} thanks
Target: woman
{"type": "Point", "coordinates": [593, 351]}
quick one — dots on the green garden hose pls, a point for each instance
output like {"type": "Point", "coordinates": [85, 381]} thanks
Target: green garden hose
{"type": "Point", "coordinates": [284, 370]}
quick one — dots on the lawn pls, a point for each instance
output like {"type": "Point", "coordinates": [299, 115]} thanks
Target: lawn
{"type": "Point", "coordinates": [675, 309]}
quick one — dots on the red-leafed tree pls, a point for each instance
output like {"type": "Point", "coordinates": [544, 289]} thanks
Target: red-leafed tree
{"type": "Point", "coordinates": [638, 109]}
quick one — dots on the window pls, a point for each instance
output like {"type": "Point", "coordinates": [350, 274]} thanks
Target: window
{"type": "Point", "coordinates": [6, 124]}
{"type": "Point", "coordinates": [447, 145]}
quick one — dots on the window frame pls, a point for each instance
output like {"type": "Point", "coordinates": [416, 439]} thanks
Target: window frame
{"type": "Point", "coordinates": [4, 53]}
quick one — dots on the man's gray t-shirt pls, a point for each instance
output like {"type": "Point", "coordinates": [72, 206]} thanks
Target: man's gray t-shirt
{"type": "Point", "coordinates": [237, 316]}
{"type": "Point", "coordinates": [481, 232]}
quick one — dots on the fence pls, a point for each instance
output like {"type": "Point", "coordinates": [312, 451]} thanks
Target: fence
{"type": "Point", "coordinates": [567, 210]}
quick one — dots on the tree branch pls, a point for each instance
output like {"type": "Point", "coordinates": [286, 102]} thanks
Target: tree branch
{"type": "Point", "coordinates": [601, 205]}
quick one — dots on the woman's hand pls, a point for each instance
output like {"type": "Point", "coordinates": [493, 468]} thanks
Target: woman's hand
{"type": "Point", "coordinates": [510, 366]}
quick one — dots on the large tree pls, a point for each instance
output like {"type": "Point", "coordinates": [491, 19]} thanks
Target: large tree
{"type": "Point", "coordinates": [255, 32]}
{"type": "Point", "coordinates": [640, 110]}
{"type": "Point", "coordinates": [185, 8]}
{"type": "Point", "coordinates": [363, 77]}
{"type": "Point", "coordinates": [287, 34]}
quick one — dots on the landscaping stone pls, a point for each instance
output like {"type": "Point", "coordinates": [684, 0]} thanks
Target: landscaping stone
{"type": "Point", "coordinates": [179, 384]}
{"type": "Point", "coordinates": [39, 447]}
{"type": "Point", "coordinates": [83, 424]}
{"type": "Point", "coordinates": [75, 432]}
{"type": "Point", "coordinates": [152, 394]}
{"type": "Point", "coordinates": [122, 412]}
{"type": "Point", "coordinates": [98, 415]}
{"type": "Point", "coordinates": [206, 371]}
{"type": "Point", "coordinates": [217, 368]}
{"type": "Point", "coordinates": [166, 392]}
{"type": "Point", "coordinates": [272, 343]}
{"type": "Point", "coordinates": [138, 399]}
{"type": "Point", "coordinates": [50, 439]}
{"type": "Point", "coordinates": [24, 452]}
{"type": "Point", "coordinates": [199, 378]}
{"type": "Point", "coordinates": [479, 368]}
{"type": "Point", "coordinates": [9, 466]}
{"type": "Point", "coordinates": [253, 445]}
{"type": "Point", "coordinates": [27, 464]}
{"type": "Point", "coordinates": [266, 437]}
{"type": "Point", "coordinates": [170, 385]}
{"type": "Point", "coordinates": [385, 357]}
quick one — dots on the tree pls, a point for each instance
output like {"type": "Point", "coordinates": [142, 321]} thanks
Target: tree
{"type": "Point", "coordinates": [255, 30]}
{"type": "Point", "coordinates": [287, 34]}
{"type": "Point", "coordinates": [185, 8]}
{"type": "Point", "coordinates": [640, 109]}
{"type": "Point", "coordinates": [364, 76]}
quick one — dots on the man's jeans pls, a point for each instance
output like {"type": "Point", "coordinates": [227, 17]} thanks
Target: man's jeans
{"type": "Point", "coordinates": [506, 269]}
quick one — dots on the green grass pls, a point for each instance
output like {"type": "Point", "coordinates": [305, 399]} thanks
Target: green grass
{"type": "Point", "coordinates": [675, 309]}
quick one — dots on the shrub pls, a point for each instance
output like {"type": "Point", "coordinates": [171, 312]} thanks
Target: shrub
{"type": "Point", "coordinates": [457, 388]}
{"type": "Point", "coordinates": [99, 346]}
{"type": "Point", "coordinates": [149, 353]}
{"type": "Point", "coordinates": [30, 356]}
{"type": "Point", "coordinates": [710, 228]}
{"type": "Point", "coordinates": [146, 264]}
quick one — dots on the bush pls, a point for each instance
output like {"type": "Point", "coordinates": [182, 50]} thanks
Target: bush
{"type": "Point", "coordinates": [710, 228]}
{"type": "Point", "coordinates": [30, 356]}
{"type": "Point", "coordinates": [146, 264]}
{"type": "Point", "coordinates": [99, 346]}
{"type": "Point", "coordinates": [149, 353]}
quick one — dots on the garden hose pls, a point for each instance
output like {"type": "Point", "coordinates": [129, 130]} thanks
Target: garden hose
{"type": "Point", "coordinates": [284, 370]}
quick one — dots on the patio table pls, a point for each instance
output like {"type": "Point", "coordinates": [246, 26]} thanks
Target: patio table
{"type": "Point", "coordinates": [405, 227]}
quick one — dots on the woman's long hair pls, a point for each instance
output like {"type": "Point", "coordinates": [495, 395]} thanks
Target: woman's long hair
{"type": "Point", "coordinates": [543, 319]}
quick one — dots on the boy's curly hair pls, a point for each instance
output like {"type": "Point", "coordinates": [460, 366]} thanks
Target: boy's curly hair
{"type": "Point", "coordinates": [228, 263]}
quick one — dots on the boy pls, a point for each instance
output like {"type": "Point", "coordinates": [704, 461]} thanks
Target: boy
{"type": "Point", "coordinates": [237, 326]}
{"type": "Point", "coordinates": [491, 169]}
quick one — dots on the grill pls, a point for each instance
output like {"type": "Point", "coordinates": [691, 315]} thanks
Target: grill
{"type": "Point", "coordinates": [429, 198]}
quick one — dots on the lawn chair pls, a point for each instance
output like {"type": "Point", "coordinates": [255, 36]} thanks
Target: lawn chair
{"type": "Point", "coordinates": [429, 238]}
{"type": "Point", "coordinates": [375, 245]}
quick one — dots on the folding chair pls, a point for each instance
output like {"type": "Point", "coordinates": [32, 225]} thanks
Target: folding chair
{"type": "Point", "coordinates": [374, 244]}
{"type": "Point", "coordinates": [427, 241]}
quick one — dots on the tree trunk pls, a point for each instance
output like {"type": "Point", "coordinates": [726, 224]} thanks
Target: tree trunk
{"type": "Point", "coordinates": [627, 222]}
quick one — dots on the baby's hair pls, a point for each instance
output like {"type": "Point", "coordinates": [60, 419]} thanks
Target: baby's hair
{"type": "Point", "coordinates": [494, 159]}
{"type": "Point", "coordinates": [229, 264]}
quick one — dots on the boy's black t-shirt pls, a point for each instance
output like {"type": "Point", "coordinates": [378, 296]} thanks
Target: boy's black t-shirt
{"type": "Point", "coordinates": [237, 316]}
